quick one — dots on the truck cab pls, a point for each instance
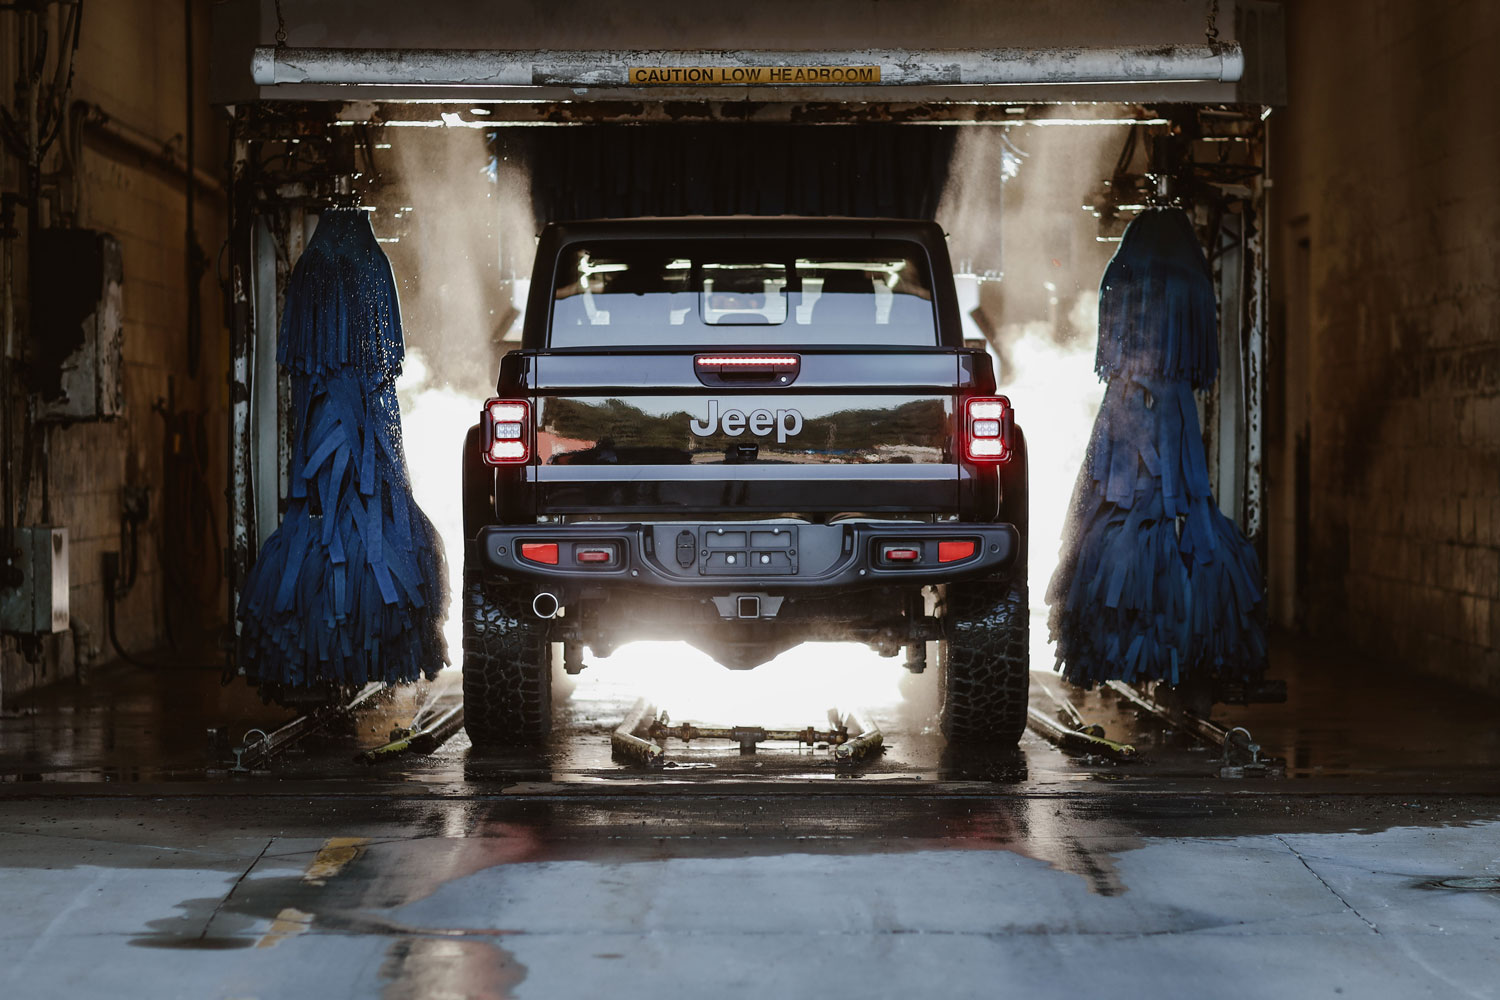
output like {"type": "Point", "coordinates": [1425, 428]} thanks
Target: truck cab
{"type": "Point", "coordinates": [746, 434]}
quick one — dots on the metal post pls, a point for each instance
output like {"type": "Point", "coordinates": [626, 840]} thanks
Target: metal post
{"type": "Point", "coordinates": [241, 333]}
{"type": "Point", "coordinates": [1229, 435]}
{"type": "Point", "coordinates": [1258, 263]}
{"type": "Point", "coordinates": [264, 396]}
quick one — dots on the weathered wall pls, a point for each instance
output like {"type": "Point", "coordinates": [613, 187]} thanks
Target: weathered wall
{"type": "Point", "coordinates": [1387, 272]}
{"type": "Point", "coordinates": [131, 64]}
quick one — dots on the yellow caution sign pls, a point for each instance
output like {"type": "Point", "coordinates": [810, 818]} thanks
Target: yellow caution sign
{"type": "Point", "coordinates": [771, 76]}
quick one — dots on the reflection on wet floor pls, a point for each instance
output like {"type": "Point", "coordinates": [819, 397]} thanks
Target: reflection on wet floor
{"type": "Point", "coordinates": [560, 872]}
{"type": "Point", "coordinates": [749, 894]}
{"type": "Point", "coordinates": [1342, 720]}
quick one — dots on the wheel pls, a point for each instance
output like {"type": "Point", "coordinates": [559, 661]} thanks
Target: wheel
{"type": "Point", "coordinates": [985, 656]}
{"type": "Point", "coordinates": [507, 666]}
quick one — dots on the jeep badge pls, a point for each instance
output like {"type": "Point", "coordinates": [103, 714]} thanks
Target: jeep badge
{"type": "Point", "coordinates": [786, 423]}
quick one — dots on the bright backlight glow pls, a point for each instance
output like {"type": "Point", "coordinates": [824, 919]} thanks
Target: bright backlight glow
{"type": "Point", "coordinates": [796, 689]}
{"type": "Point", "coordinates": [1058, 394]}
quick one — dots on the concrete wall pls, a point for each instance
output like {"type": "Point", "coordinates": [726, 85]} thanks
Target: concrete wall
{"type": "Point", "coordinates": [131, 63]}
{"type": "Point", "coordinates": [1386, 353]}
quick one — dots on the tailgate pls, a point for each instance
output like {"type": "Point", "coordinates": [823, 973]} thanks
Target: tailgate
{"type": "Point", "coordinates": [657, 432]}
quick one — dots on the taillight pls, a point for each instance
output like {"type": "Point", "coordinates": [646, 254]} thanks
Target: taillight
{"type": "Point", "coordinates": [987, 429]}
{"type": "Point", "coordinates": [506, 436]}
{"type": "Point", "coordinates": [897, 553]}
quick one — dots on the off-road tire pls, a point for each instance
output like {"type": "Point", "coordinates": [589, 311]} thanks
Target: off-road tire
{"type": "Point", "coordinates": [985, 658]}
{"type": "Point", "coordinates": [507, 666]}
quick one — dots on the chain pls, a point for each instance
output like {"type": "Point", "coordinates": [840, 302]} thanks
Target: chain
{"type": "Point", "coordinates": [1210, 27]}
{"type": "Point", "coordinates": [281, 25]}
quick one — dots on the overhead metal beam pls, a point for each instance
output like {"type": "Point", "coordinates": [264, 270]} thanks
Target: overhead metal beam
{"type": "Point", "coordinates": [646, 70]}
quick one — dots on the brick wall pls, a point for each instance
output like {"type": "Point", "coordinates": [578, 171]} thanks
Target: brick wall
{"type": "Point", "coordinates": [1387, 279]}
{"type": "Point", "coordinates": [131, 64]}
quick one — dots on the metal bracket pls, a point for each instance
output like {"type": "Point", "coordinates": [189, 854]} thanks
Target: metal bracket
{"type": "Point", "coordinates": [259, 744]}
{"type": "Point", "coordinates": [1242, 758]}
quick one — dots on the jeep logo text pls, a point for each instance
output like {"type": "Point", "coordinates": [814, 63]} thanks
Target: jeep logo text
{"type": "Point", "coordinates": [761, 423]}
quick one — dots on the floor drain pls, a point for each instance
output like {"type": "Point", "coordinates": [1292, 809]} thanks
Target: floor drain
{"type": "Point", "coordinates": [1481, 883]}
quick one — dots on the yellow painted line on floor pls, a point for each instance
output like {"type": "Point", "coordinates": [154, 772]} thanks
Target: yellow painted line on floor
{"type": "Point", "coordinates": [288, 923]}
{"type": "Point", "coordinates": [331, 858]}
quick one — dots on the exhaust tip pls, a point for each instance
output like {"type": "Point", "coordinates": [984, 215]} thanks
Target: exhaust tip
{"type": "Point", "coordinates": [545, 605]}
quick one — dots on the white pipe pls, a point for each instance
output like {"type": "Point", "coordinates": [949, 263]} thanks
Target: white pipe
{"type": "Point", "coordinates": [270, 65]}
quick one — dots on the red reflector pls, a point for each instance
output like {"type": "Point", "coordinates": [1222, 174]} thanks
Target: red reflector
{"type": "Point", "coordinates": [594, 555]}
{"type": "Point", "coordinates": [542, 552]}
{"type": "Point", "coordinates": [954, 551]}
{"type": "Point", "coordinates": [901, 555]}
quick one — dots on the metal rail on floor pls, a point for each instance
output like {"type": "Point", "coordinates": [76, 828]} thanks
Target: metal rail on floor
{"type": "Point", "coordinates": [258, 746]}
{"type": "Point", "coordinates": [1241, 755]}
{"type": "Point", "coordinates": [639, 737]}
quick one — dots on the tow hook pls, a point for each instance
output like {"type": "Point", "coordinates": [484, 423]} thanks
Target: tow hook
{"type": "Point", "coordinates": [747, 607]}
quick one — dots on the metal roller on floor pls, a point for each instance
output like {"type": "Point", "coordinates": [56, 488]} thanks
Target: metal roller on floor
{"type": "Point", "coordinates": [852, 737]}
{"type": "Point", "coordinates": [423, 736]}
{"type": "Point", "coordinates": [434, 723]}
{"type": "Point", "coordinates": [1077, 733]}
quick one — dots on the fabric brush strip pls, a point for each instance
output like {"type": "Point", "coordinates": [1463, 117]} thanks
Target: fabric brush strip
{"type": "Point", "coordinates": [351, 587]}
{"type": "Point", "coordinates": [1153, 581]}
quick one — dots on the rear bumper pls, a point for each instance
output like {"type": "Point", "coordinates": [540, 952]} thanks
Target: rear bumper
{"type": "Point", "coordinates": [765, 555]}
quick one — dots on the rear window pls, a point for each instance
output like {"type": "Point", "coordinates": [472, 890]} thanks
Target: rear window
{"type": "Point", "coordinates": [663, 293]}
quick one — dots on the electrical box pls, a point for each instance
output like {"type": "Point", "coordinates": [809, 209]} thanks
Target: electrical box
{"type": "Point", "coordinates": [39, 604]}
{"type": "Point", "coordinates": [77, 326]}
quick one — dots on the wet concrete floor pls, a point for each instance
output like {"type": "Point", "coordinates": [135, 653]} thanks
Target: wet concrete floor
{"type": "Point", "coordinates": [132, 865]}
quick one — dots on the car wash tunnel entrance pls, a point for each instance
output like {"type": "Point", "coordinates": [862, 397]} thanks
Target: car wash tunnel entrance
{"type": "Point", "coordinates": [515, 500]}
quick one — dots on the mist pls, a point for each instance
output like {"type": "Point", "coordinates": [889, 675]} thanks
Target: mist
{"type": "Point", "coordinates": [1013, 209]}
{"type": "Point", "coordinates": [453, 212]}
{"type": "Point", "coordinates": [443, 219]}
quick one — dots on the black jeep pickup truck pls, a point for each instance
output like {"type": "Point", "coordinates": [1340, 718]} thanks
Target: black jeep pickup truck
{"type": "Point", "coordinates": [746, 434]}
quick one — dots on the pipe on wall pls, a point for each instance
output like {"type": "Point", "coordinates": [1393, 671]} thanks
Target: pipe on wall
{"type": "Point", "coordinates": [164, 154]}
{"type": "Point", "coordinates": [271, 65]}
